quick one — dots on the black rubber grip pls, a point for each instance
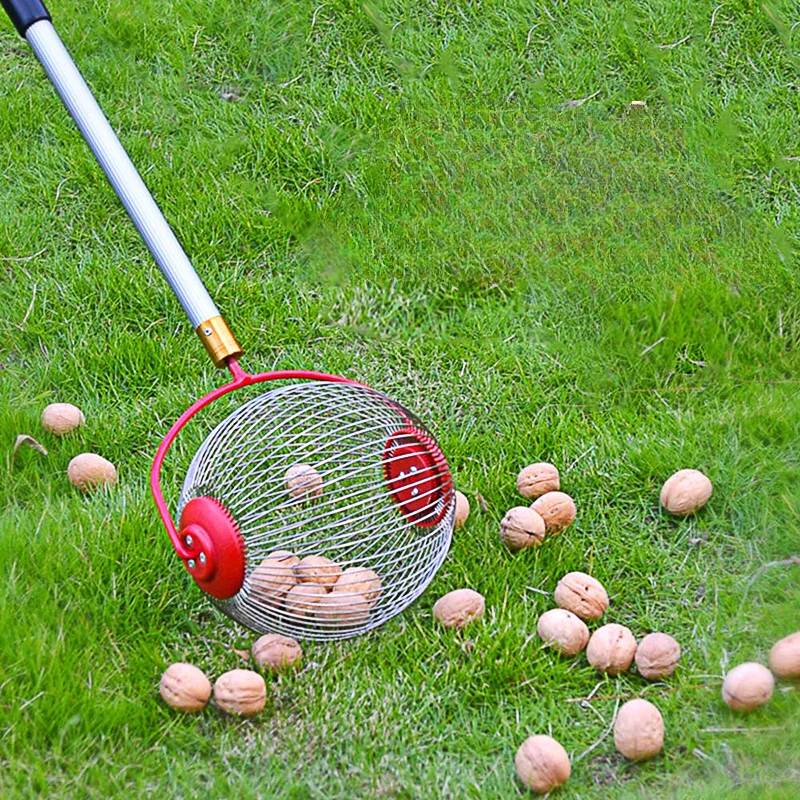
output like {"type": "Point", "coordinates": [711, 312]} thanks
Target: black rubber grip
{"type": "Point", "coordinates": [24, 13]}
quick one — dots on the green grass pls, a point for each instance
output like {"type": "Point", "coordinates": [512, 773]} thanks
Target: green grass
{"type": "Point", "coordinates": [398, 192]}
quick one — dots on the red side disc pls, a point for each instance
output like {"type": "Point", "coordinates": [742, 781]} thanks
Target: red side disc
{"type": "Point", "coordinates": [216, 547]}
{"type": "Point", "coordinates": [417, 476]}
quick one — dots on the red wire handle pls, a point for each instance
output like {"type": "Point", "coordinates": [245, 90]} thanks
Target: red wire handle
{"type": "Point", "coordinates": [240, 380]}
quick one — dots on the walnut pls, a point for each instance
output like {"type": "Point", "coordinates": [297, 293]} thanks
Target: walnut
{"type": "Point", "coordinates": [563, 630]}
{"type": "Point", "coordinates": [272, 579]}
{"type": "Point", "coordinates": [747, 686]}
{"type": "Point", "coordinates": [302, 599]}
{"type": "Point", "coordinates": [90, 471]}
{"type": "Point", "coordinates": [685, 492]}
{"type": "Point", "coordinates": [581, 594]}
{"type": "Point", "coordinates": [784, 657]}
{"type": "Point", "coordinates": [303, 482]}
{"type": "Point", "coordinates": [61, 418]}
{"type": "Point", "coordinates": [557, 510]}
{"type": "Point", "coordinates": [639, 730]}
{"type": "Point", "coordinates": [657, 656]}
{"type": "Point", "coordinates": [359, 581]}
{"type": "Point", "coordinates": [276, 653]}
{"type": "Point", "coordinates": [185, 687]}
{"type": "Point", "coordinates": [289, 559]}
{"type": "Point", "coordinates": [342, 610]}
{"type": "Point", "coordinates": [462, 509]}
{"type": "Point", "coordinates": [611, 649]}
{"type": "Point", "coordinates": [459, 608]}
{"type": "Point", "coordinates": [317, 569]}
{"type": "Point", "coordinates": [538, 479]}
{"type": "Point", "coordinates": [542, 764]}
{"type": "Point", "coordinates": [521, 527]}
{"type": "Point", "coordinates": [240, 691]}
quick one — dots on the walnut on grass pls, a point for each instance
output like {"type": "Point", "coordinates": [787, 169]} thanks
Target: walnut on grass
{"type": "Point", "coordinates": [520, 528]}
{"type": "Point", "coordinates": [538, 479]}
{"type": "Point", "coordinates": [89, 471]}
{"type": "Point", "coordinates": [747, 686]}
{"type": "Point", "coordinates": [685, 492]}
{"type": "Point", "coordinates": [458, 608]}
{"type": "Point", "coordinates": [462, 509]}
{"type": "Point", "coordinates": [557, 509]}
{"type": "Point", "coordinates": [563, 631]}
{"type": "Point", "coordinates": [581, 594]}
{"type": "Point", "coordinates": [657, 656]}
{"type": "Point", "coordinates": [784, 657]}
{"type": "Point", "coordinates": [241, 692]}
{"type": "Point", "coordinates": [185, 687]}
{"type": "Point", "coordinates": [611, 649]}
{"type": "Point", "coordinates": [61, 418]}
{"type": "Point", "coordinates": [639, 730]}
{"type": "Point", "coordinates": [542, 764]}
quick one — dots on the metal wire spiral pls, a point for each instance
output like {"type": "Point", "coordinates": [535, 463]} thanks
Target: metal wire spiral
{"type": "Point", "coordinates": [340, 508]}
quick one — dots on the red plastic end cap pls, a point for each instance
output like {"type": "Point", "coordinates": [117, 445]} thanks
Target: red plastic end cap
{"type": "Point", "coordinates": [417, 476]}
{"type": "Point", "coordinates": [216, 548]}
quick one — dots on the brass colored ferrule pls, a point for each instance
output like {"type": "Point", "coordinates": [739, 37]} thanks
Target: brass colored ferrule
{"type": "Point", "coordinates": [218, 340]}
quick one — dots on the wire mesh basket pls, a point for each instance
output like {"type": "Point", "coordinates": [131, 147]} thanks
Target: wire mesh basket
{"type": "Point", "coordinates": [344, 503]}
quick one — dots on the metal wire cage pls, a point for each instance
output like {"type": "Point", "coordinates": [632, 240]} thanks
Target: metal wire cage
{"type": "Point", "coordinates": [343, 501]}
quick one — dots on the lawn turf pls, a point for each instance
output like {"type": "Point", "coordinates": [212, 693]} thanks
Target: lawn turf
{"type": "Point", "coordinates": [457, 204]}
